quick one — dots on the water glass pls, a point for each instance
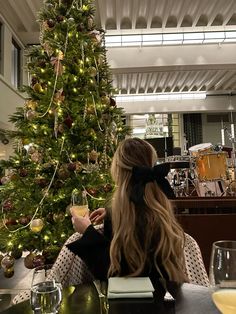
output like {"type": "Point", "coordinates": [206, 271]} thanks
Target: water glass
{"type": "Point", "coordinates": [223, 276]}
{"type": "Point", "coordinates": [46, 290]}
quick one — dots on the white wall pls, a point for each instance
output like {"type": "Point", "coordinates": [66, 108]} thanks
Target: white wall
{"type": "Point", "coordinates": [10, 98]}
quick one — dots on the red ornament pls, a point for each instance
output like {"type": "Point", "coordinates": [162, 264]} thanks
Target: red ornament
{"type": "Point", "coordinates": [42, 182]}
{"type": "Point", "coordinates": [7, 205]}
{"type": "Point", "coordinates": [71, 166]}
{"type": "Point", "coordinates": [92, 191]}
{"type": "Point", "coordinates": [60, 18]}
{"type": "Point", "coordinates": [68, 122]}
{"type": "Point", "coordinates": [50, 23]}
{"type": "Point", "coordinates": [24, 220]}
{"type": "Point", "coordinates": [112, 102]}
{"type": "Point", "coordinates": [23, 172]}
{"type": "Point", "coordinates": [38, 260]}
{"type": "Point", "coordinates": [58, 184]}
{"type": "Point", "coordinates": [10, 222]}
{"type": "Point", "coordinates": [34, 80]}
{"type": "Point", "coordinates": [107, 188]}
{"type": "Point", "coordinates": [28, 261]}
{"type": "Point", "coordinates": [63, 173]}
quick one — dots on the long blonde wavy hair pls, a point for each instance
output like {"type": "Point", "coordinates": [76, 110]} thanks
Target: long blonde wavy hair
{"type": "Point", "coordinates": [139, 231]}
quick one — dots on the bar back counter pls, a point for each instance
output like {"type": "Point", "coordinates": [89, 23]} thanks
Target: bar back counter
{"type": "Point", "coordinates": [207, 219]}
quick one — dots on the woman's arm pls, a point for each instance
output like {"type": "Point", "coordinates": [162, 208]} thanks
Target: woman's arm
{"type": "Point", "coordinates": [93, 247]}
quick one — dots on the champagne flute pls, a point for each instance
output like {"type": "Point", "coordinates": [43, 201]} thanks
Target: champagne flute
{"type": "Point", "coordinates": [79, 203]}
{"type": "Point", "coordinates": [46, 291]}
{"type": "Point", "coordinates": [223, 276]}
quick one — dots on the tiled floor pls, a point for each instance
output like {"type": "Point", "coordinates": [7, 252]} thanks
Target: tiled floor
{"type": "Point", "coordinates": [9, 287]}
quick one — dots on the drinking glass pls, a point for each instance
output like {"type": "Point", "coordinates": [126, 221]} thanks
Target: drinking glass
{"type": "Point", "coordinates": [79, 203]}
{"type": "Point", "coordinates": [46, 291]}
{"type": "Point", "coordinates": [101, 287]}
{"type": "Point", "coordinates": [223, 276]}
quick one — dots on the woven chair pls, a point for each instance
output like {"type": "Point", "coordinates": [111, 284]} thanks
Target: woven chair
{"type": "Point", "coordinates": [73, 271]}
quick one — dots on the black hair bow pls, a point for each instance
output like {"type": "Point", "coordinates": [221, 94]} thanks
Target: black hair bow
{"type": "Point", "coordinates": [142, 175]}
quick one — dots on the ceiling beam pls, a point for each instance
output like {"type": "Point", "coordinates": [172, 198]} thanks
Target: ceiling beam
{"type": "Point", "coordinates": [202, 7]}
{"type": "Point", "coordinates": [210, 104]}
{"type": "Point", "coordinates": [184, 8]}
{"type": "Point", "coordinates": [224, 78]}
{"type": "Point", "coordinates": [181, 56]}
{"type": "Point", "coordinates": [230, 9]}
{"type": "Point", "coordinates": [215, 11]}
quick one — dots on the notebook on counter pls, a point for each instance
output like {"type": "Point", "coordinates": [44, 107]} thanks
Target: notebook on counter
{"type": "Point", "coordinates": [130, 287]}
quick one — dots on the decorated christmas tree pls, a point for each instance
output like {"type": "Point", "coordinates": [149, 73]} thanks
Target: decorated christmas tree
{"type": "Point", "coordinates": [65, 135]}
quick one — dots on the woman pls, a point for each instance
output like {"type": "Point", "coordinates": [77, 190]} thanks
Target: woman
{"type": "Point", "coordinates": [146, 239]}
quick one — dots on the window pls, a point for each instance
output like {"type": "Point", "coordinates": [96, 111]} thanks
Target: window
{"type": "Point", "coordinates": [16, 66]}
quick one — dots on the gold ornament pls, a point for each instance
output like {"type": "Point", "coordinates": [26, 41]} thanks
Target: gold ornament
{"type": "Point", "coordinates": [92, 71]}
{"type": "Point", "coordinates": [37, 157]}
{"type": "Point", "coordinates": [38, 88]}
{"type": "Point", "coordinates": [105, 100]}
{"type": "Point", "coordinates": [93, 155]}
{"type": "Point", "coordinates": [79, 166]}
{"type": "Point", "coordinates": [36, 225]}
{"type": "Point", "coordinates": [59, 217]}
{"type": "Point", "coordinates": [90, 109]}
{"type": "Point", "coordinates": [9, 272]}
{"type": "Point", "coordinates": [31, 104]}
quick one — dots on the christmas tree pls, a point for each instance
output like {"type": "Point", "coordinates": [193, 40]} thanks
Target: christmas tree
{"type": "Point", "coordinates": [65, 135]}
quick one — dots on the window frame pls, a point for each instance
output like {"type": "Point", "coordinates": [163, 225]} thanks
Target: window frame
{"type": "Point", "coordinates": [16, 64]}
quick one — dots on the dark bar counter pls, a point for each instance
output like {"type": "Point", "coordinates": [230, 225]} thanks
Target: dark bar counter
{"type": "Point", "coordinates": [207, 219]}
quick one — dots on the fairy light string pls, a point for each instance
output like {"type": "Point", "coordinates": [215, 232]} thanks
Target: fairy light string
{"type": "Point", "coordinates": [58, 65]}
{"type": "Point", "coordinates": [42, 199]}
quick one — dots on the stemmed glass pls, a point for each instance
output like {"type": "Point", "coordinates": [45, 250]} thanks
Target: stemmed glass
{"type": "Point", "coordinates": [46, 291]}
{"type": "Point", "coordinates": [79, 203]}
{"type": "Point", "coordinates": [223, 276]}
{"type": "Point", "coordinates": [101, 288]}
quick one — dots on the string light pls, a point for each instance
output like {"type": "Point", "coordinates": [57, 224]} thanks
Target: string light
{"type": "Point", "coordinates": [46, 238]}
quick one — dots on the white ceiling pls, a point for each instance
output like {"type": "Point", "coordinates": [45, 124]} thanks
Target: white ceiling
{"type": "Point", "coordinates": [153, 69]}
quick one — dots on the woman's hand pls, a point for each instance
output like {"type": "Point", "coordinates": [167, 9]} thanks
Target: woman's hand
{"type": "Point", "coordinates": [80, 223]}
{"type": "Point", "coordinates": [97, 215]}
